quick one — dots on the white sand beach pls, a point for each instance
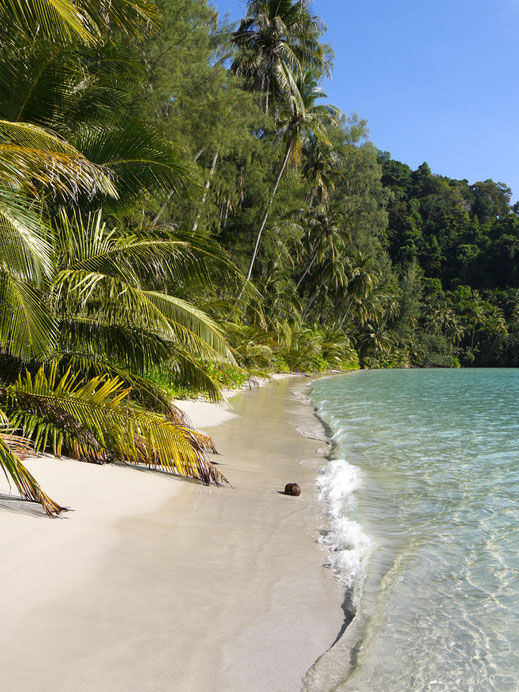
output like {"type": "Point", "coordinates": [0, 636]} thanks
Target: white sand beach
{"type": "Point", "coordinates": [154, 583]}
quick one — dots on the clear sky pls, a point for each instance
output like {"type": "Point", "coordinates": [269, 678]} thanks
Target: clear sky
{"type": "Point", "coordinates": [437, 80]}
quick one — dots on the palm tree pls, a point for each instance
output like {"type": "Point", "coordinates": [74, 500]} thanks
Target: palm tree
{"type": "Point", "coordinates": [112, 298]}
{"type": "Point", "coordinates": [375, 340]}
{"type": "Point", "coordinates": [303, 119]}
{"type": "Point", "coordinates": [276, 42]}
{"type": "Point", "coordinates": [320, 162]}
{"type": "Point", "coordinates": [363, 278]}
{"type": "Point", "coordinates": [441, 319]}
{"type": "Point", "coordinates": [73, 291]}
{"type": "Point", "coordinates": [113, 318]}
{"type": "Point", "coordinates": [325, 236]}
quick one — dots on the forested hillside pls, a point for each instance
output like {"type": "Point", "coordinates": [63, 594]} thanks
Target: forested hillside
{"type": "Point", "coordinates": [351, 251]}
{"type": "Point", "coordinates": [181, 208]}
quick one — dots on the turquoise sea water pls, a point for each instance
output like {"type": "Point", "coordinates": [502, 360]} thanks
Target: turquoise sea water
{"type": "Point", "coordinates": [423, 497]}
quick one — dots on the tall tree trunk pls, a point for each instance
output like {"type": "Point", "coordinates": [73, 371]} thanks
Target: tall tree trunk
{"type": "Point", "coordinates": [308, 268]}
{"type": "Point", "coordinates": [226, 215]}
{"type": "Point", "coordinates": [312, 300]}
{"type": "Point", "coordinates": [267, 94]}
{"type": "Point", "coordinates": [171, 192]}
{"type": "Point", "coordinates": [346, 313]}
{"type": "Point", "coordinates": [334, 306]}
{"type": "Point", "coordinates": [267, 212]}
{"type": "Point", "coordinates": [206, 190]}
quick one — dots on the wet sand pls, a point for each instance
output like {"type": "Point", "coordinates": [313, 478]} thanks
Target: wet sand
{"type": "Point", "coordinates": [215, 590]}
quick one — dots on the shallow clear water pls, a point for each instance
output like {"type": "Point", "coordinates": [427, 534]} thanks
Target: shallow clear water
{"type": "Point", "coordinates": [423, 494]}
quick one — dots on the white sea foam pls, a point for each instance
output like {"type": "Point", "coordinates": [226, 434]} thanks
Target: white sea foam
{"type": "Point", "coordinates": [347, 542]}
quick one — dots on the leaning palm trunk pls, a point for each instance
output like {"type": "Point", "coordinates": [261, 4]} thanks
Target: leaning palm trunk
{"type": "Point", "coordinates": [206, 191]}
{"type": "Point", "coordinates": [267, 212]}
{"type": "Point", "coordinates": [307, 269]}
{"type": "Point", "coordinates": [312, 300]}
{"type": "Point", "coordinates": [332, 309]}
{"type": "Point", "coordinates": [343, 320]}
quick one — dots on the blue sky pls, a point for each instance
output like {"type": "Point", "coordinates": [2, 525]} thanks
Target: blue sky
{"type": "Point", "coordinates": [438, 81]}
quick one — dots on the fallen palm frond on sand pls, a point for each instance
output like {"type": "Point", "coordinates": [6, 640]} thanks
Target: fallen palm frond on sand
{"type": "Point", "coordinates": [94, 421]}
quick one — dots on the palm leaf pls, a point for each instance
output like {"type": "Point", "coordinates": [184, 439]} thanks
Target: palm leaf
{"type": "Point", "coordinates": [93, 348]}
{"type": "Point", "coordinates": [27, 329]}
{"type": "Point", "coordinates": [59, 20]}
{"type": "Point", "coordinates": [140, 159]}
{"type": "Point", "coordinates": [29, 154]}
{"type": "Point", "coordinates": [116, 302]}
{"type": "Point", "coordinates": [14, 470]}
{"type": "Point", "coordinates": [63, 21]}
{"type": "Point", "coordinates": [41, 86]}
{"type": "Point", "coordinates": [93, 421]}
{"type": "Point", "coordinates": [25, 248]}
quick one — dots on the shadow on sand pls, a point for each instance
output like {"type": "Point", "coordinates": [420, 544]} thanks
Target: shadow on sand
{"type": "Point", "coordinates": [17, 505]}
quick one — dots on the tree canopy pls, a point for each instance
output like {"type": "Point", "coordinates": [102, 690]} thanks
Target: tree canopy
{"type": "Point", "coordinates": [181, 209]}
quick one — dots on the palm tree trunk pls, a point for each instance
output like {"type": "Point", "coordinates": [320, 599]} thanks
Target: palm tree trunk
{"type": "Point", "coordinates": [308, 268]}
{"type": "Point", "coordinates": [312, 300]}
{"type": "Point", "coordinates": [267, 212]}
{"type": "Point", "coordinates": [331, 310]}
{"type": "Point", "coordinates": [171, 192]}
{"type": "Point", "coordinates": [206, 190]}
{"type": "Point", "coordinates": [346, 313]}
{"type": "Point", "coordinates": [226, 215]}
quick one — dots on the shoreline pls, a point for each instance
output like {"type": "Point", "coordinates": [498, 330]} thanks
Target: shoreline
{"type": "Point", "coordinates": [244, 561]}
{"type": "Point", "coordinates": [323, 674]}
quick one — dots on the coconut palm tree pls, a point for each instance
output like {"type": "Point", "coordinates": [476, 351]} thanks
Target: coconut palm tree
{"type": "Point", "coordinates": [112, 318]}
{"type": "Point", "coordinates": [303, 118]}
{"type": "Point", "coordinates": [276, 42]}
{"type": "Point", "coordinates": [321, 165]}
{"type": "Point", "coordinates": [90, 303]}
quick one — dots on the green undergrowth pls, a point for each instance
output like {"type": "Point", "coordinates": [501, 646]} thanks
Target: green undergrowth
{"type": "Point", "coordinates": [261, 354]}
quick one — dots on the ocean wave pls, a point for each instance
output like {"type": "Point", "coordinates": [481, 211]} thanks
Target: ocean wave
{"type": "Point", "coordinates": [349, 545]}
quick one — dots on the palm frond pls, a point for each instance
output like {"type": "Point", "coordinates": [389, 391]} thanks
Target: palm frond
{"type": "Point", "coordinates": [92, 421]}
{"type": "Point", "coordinates": [59, 20]}
{"type": "Point", "coordinates": [154, 257]}
{"type": "Point", "coordinates": [118, 302]}
{"type": "Point", "coordinates": [65, 21]}
{"type": "Point", "coordinates": [141, 160]}
{"type": "Point", "coordinates": [27, 329]}
{"type": "Point", "coordinates": [14, 470]}
{"type": "Point", "coordinates": [25, 247]}
{"type": "Point", "coordinates": [30, 154]}
{"type": "Point", "coordinates": [40, 86]}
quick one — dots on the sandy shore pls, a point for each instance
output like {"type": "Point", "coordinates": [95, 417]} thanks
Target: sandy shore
{"type": "Point", "coordinates": [158, 584]}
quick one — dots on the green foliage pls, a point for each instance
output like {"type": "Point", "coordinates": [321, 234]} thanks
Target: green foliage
{"type": "Point", "coordinates": [146, 161]}
{"type": "Point", "coordinates": [313, 349]}
{"type": "Point", "coordinates": [93, 421]}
